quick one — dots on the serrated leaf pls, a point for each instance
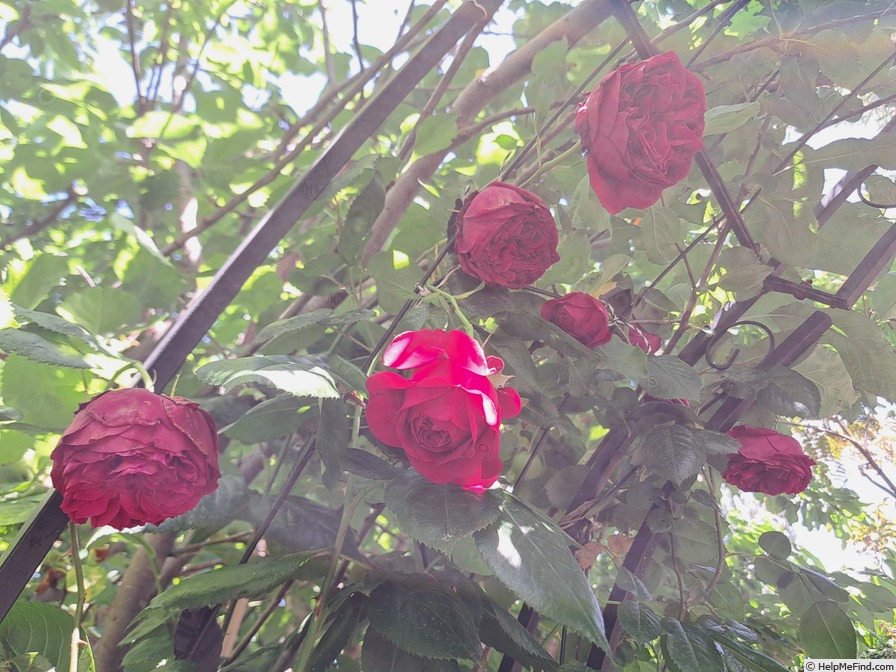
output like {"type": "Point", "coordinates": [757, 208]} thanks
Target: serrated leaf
{"type": "Point", "coordinates": [7, 312]}
{"type": "Point", "coordinates": [44, 273]}
{"type": "Point", "coordinates": [215, 510]}
{"type": "Point", "coordinates": [271, 419]}
{"type": "Point", "coordinates": [626, 580]}
{"type": "Point", "coordinates": [867, 356]}
{"type": "Point", "coordinates": [790, 394]}
{"type": "Point", "coordinates": [423, 618]}
{"type": "Point", "coordinates": [668, 377]}
{"type": "Point", "coordinates": [47, 395]}
{"type": "Point", "coordinates": [333, 436]}
{"type": "Point", "coordinates": [661, 233]}
{"type": "Point", "coordinates": [530, 555]}
{"type": "Point", "coordinates": [59, 325]}
{"type": "Point", "coordinates": [726, 118]}
{"type": "Point", "coordinates": [226, 583]}
{"type": "Point", "coordinates": [342, 625]}
{"type": "Point", "coordinates": [300, 524]}
{"type": "Point", "coordinates": [440, 515]}
{"type": "Point", "coordinates": [378, 654]}
{"type": "Point", "coordinates": [673, 452]}
{"type": "Point", "coordinates": [348, 372]}
{"type": "Point", "coordinates": [289, 374]}
{"type": "Point", "coordinates": [775, 544]}
{"type": "Point", "coordinates": [639, 621]}
{"type": "Point", "coordinates": [436, 133]}
{"type": "Point", "coordinates": [292, 324]}
{"type": "Point", "coordinates": [825, 368]}
{"type": "Point", "coordinates": [575, 259]}
{"type": "Point", "coordinates": [750, 657]}
{"type": "Point", "coordinates": [101, 310]}
{"type": "Point", "coordinates": [504, 633]}
{"type": "Point", "coordinates": [744, 384]}
{"type": "Point", "coordinates": [38, 349]}
{"type": "Point", "coordinates": [827, 632]}
{"type": "Point", "coordinates": [744, 272]}
{"type": "Point", "coordinates": [689, 648]}
{"type": "Point", "coordinates": [787, 236]}
{"type": "Point", "coordinates": [36, 627]}
{"type": "Point", "coordinates": [364, 210]}
{"type": "Point", "coordinates": [367, 465]}
{"type": "Point", "coordinates": [717, 443]}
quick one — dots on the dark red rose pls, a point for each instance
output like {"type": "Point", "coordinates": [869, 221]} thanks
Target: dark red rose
{"type": "Point", "coordinates": [768, 462]}
{"type": "Point", "coordinates": [641, 126]}
{"type": "Point", "coordinates": [447, 415]}
{"type": "Point", "coordinates": [581, 316]}
{"type": "Point", "coordinates": [648, 342]}
{"type": "Point", "coordinates": [506, 236]}
{"type": "Point", "coordinates": [131, 457]}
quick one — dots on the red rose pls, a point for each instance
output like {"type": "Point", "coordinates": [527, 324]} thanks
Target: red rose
{"type": "Point", "coordinates": [447, 415]}
{"type": "Point", "coordinates": [648, 342]}
{"type": "Point", "coordinates": [767, 462]}
{"type": "Point", "coordinates": [641, 126]}
{"type": "Point", "coordinates": [506, 236]}
{"type": "Point", "coordinates": [581, 316]}
{"type": "Point", "coordinates": [132, 457]}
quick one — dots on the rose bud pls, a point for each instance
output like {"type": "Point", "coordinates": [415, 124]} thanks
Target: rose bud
{"type": "Point", "coordinates": [767, 462]}
{"type": "Point", "coordinates": [131, 457]}
{"type": "Point", "coordinates": [581, 316]}
{"type": "Point", "coordinates": [641, 126]}
{"type": "Point", "coordinates": [506, 236]}
{"type": "Point", "coordinates": [447, 415]}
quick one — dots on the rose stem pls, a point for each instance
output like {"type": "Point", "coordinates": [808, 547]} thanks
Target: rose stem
{"type": "Point", "coordinates": [79, 605]}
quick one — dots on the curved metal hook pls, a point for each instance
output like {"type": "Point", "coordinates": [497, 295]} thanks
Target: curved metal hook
{"type": "Point", "coordinates": [866, 201]}
{"type": "Point", "coordinates": [724, 366]}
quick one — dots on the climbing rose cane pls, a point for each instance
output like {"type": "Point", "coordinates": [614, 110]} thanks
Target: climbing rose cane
{"type": "Point", "coordinates": [767, 462]}
{"type": "Point", "coordinates": [641, 126]}
{"type": "Point", "coordinates": [581, 316]}
{"type": "Point", "coordinates": [131, 457]}
{"type": "Point", "coordinates": [447, 415]}
{"type": "Point", "coordinates": [506, 236]}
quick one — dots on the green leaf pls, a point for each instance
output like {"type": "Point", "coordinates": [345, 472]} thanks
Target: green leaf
{"type": "Point", "coordinates": [440, 515]}
{"type": "Point", "coordinates": [787, 235]}
{"type": "Point", "coordinates": [504, 633]}
{"type": "Point", "coordinates": [790, 394]}
{"type": "Point", "coordinates": [575, 259]}
{"type": "Point", "coordinates": [44, 273]}
{"type": "Point", "coordinates": [668, 377]}
{"type": "Point", "coordinates": [689, 648]}
{"type": "Point", "coordinates": [744, 272]}
{"type": "Point", "coordinates": [775, 544]}
{"type": "Point", "coordinates": [362, 213]}
{"type": "Point", "coordinates": [639, 621]}
{"type": "Point", "coordinates": [9, 413]}
{"type": "Point", "coordinates": [673, 452]}
{"type": "Point", "coordinates": [530, 555]}
{"type": "Point", "coordinates": [333, 436]}
{"type": "Point", "coordinates": [750, 657]}
{"type": "Point", "coordinates": [58, 325]}
{"type": "Point", "coordinates": [867, 356]}
{"type": "Point", "coordinates": [38, 349]}
{"type": "Point", "coordinates": [436, 133]}
{"type": "Point", "coordinates": [661, 233]}
{"type": "Point", "coordinates": [48, 396]}
{"type": "Point", "coordinates": [289, 374]}
{"type": "Point", "coordinates": [36, 627]}
{"type": "Point", "coordinates": [827, 632]}
{"type": "Point", "coordinates": [393, 285]}
{"type": "Point", "coordinates": [101, 310]}
{"type": "Point", "coordinates": [17, 510]}
{"type": "Point", "coordinates": [350, 374]}
{"type": "Point", "coordinates": [269, 420]}
{"type": "Point", "coordinates": [855, 153]}
{"type": "Point", "coordinates": [725, 118]}
{"type": "Point", "coordinates": [626, 580]}
{"type": "Point", "coordinates": [825, 368]}
{"type": "Point", "coordinates": [342, 625]}
{"type": "Point", "coordinates": [378, 654]}
{"type": "Point", "coordinates": [292, 324]}
{"type": "Point", "coordinates": [425, 619]}
{"type": "Point", "coordinates": [300, 524]}
{"type": "Point", "coordinates": [367, 465]}
{"type": "Point", "coordinates": [226, 583]}
{"type": "Point", "coordinates": [7, 312]}
{"type": "Point", "coordinates": [215, 510]}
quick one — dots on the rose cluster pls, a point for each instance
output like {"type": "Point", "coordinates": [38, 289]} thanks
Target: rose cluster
{"type": "Point", "coordinates": [131, 457]}
{"type": "Point", "coordinates": [447, 415]}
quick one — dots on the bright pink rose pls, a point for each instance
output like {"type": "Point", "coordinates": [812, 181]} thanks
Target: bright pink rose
{"type": "Point", "coordinates": [131, 457]}
{"type": "Point", "coordinates": [648, 342]}
{"type": "Point", "coordinates": [767, 462]}
{"type": "Point", "coordinates": [447, 415]}
{"type": "Point", "coordinates": [506, 236]}
{"type": "Point", "coordinates": [581, 316]}
{"type": "Point", "coordinates": [641, 126]}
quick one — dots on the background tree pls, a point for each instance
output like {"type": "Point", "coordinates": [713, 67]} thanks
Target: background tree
{"type": "Point", "coordinates": [251, 199]}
